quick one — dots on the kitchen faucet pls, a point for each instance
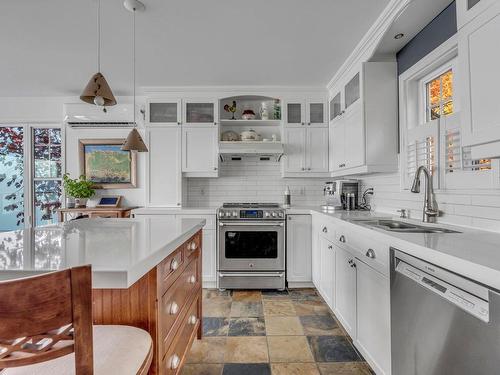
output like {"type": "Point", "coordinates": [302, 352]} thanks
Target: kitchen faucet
{"type": "Point", "coordinates": [431, 210]}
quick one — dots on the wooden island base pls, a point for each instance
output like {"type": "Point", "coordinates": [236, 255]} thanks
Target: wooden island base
{"type": "Point", "coordinates": [166, 302]}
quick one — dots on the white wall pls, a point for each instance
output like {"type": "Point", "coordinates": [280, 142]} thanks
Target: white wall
{"type": "Point", "coordinates": [252, 181]}
{"type": "Point", "coordinates": [50, 110]}
{"type": "Point", "coordinates": [476, 208]}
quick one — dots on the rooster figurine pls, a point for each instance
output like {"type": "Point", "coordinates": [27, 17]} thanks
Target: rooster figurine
{"type": "Point", "coordinates": [231, 109]}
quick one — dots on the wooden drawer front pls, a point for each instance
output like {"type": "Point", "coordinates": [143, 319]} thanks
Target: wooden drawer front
{"type": "Point", "coordinates": [365, 247]}
{"type": "Point", "coordinates": [169, 269]}
{"type": "Point", "coordinates": [106, 215]}
{"type": "Point", "coordinates": [173, 303]}
{"type": "Point", "coordinates": [176, 354]}
{"type": "Point", "coordinates": [193, 246]}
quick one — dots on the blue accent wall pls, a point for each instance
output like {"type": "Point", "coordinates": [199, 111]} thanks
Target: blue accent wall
{"type": "Point", "coordinates": [429, 38]}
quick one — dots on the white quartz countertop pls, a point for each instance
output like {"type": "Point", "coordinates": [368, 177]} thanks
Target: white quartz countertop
{"type": "Point", "coordinates": [175, 211]}
{"type": "Point", "coordinates": [120, 251]}
{"type": "Point", "coordinates": [473, 253]}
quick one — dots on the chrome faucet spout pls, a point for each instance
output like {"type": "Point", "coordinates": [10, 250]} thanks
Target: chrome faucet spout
{"type": "Point", "coordinates": [431, 210]}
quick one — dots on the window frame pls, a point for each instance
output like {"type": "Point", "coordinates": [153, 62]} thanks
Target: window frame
{"type": "Point", "coordinates": [29, 163]}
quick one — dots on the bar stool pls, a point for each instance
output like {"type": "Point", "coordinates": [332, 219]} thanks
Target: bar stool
{"type": "Point", "coordinates": [46, 329]}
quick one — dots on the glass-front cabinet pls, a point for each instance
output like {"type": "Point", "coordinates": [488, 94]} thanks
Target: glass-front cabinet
{"type": "Point", "coordinates": [200, 112]}
{"type": "Point", "coordinates": [335, 107]}
{"type": "Point", "coordinates": [306, 112]}
{"type": "Point", "coordinates": [295, 113]}
{"type": "Point", "coordinates": [352, 91]}
{"type": "Point", "coordinates": [316, 113]}
{"type": "Point", "coordinates": [163, 112]}
{"type": "Point", "coordinates": [467, 10]}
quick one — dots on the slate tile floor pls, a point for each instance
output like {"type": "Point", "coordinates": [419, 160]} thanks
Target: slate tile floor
{"type": "Point", "coordinates": [271, 333]}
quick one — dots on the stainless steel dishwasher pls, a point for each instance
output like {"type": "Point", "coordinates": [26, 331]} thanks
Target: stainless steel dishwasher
{"type": "Point", "coordinates": [441, 323]}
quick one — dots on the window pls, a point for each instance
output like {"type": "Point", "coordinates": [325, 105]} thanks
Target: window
{"type": "Point", "coordinates": [30, 175]}
{"type": "Point", "coordinates": [439, 96]}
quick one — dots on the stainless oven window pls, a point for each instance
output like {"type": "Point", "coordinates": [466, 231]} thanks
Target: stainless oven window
{"type": "Point", "coordinates": [251, 244]}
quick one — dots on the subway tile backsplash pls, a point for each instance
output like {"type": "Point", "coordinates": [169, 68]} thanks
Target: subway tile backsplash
{"type": "Point", "coordinates": [252, 181]}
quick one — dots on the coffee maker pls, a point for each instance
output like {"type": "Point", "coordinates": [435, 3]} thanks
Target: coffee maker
{"type": "Point", "coordinates": [336, 195]}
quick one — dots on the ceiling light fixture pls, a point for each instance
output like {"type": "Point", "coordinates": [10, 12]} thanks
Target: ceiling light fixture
{"type": "Point", "coordinates": [399, 36]}
{"type": "Point", "coordinates": [134, 140]}
{"type": "Point", "coordinates": [97, 90]}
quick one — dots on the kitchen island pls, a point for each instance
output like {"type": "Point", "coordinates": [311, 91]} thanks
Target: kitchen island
{"type": "Point", "coordinates": [146, 272]}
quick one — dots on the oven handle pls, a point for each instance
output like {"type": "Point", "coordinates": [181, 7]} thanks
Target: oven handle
{"type": "Point", "coordinates": [251, 224]}
{"type": "Point", "coordinates": [252, 274]}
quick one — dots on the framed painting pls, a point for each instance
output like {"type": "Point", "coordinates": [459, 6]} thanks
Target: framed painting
{"type": "Point", "coordinates": [104, 163]}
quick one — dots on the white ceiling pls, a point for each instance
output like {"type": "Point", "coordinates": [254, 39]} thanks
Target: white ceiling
{"type": "Point", "coordinates": [49, 47]}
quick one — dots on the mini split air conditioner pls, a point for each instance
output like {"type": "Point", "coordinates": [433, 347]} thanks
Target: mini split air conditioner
{"type": "Point", "coordinates": [81, 115]}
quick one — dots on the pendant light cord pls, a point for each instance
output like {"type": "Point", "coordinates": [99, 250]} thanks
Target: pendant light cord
{"type": "Point", "coordinates": [98, 36]}
{"type": "Point", "coordinates": [133, 51]}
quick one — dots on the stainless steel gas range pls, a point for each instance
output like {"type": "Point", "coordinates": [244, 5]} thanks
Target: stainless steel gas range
{"type": "Point", "coordinates": [251, 246]}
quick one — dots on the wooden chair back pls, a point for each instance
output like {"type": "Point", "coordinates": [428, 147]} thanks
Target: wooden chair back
{"type": "Point", "coordinates": [46, 317]}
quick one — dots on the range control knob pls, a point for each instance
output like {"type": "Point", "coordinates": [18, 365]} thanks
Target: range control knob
{"type": "Point", "coordinates": [228, 214]}
{"type": "Point", "coordinates": [221, 214]}
{"type": "Point", "coordinates": [266, 214]}
{"type": "Point", "coordinates": [235, 213]}
{"type": "Point", "coordinates": [273, 214]}
{"type": "Point", "coordinates": [280, 214]}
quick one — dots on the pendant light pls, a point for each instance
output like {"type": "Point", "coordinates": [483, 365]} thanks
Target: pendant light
{"type": "Point", "coordinates": [97, 90]}
{"type": "Point", "coordinates": [134, 140]}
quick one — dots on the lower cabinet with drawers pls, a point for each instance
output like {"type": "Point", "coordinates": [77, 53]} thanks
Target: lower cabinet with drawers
{"type": "Point", "coordinates": [166, 302]}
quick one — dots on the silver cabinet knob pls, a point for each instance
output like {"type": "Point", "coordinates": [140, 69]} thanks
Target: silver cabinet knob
{"type": "Point", "coordinates": [309, 124]}
{"type": "Point", "coordinates": [303, 123]}
{"type": "Point", "coordinates": [174, 308]}
{"type": "Point", "coordinates": [175, 361]}
{"type": "Point", "coordinates": [370, 254]}
{"type": "Point", "coordinates": [215, 168]}
{"type": "Point", "coordinates": [342, 238]}
{"type": "Point", "coordinates": [215, 123]}
{"type": "Point", "coordinates": [192, 320]}
{"type": "Point", "coordinates": [174, 264]}
{"type": "Point", "coordinates": [330, 247]}
{"type": "Point", "coordinates": [192, 279]}
{"type": "Point", "coordinates": [325, 230]}
{"type": "Point", "coordinates": [193, 246]}
{"type": "Point", "coordinates": [178, 123]}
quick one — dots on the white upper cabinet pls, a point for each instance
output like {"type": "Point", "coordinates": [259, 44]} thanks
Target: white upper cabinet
{"type": "Point", "coordinates": [164, 112]}
{"type": "Point", "coordinates": [478, 56]}
{"type": "Point", "coordinates": [306, 112]}
{"type": "Point", "coordinates": [363, 121]}
{"type": "Point", "coordinates": [199, 151]}
{"type": "Point", "coordinates": [200, 112]}
{"type": "Point", "coordinates": [306, 151]}
{"type": "Point", "coordinates": [298, 241]}
{"type": "Point", "coordinates": [164, 176]}
{"type": "Point", "coordinates": [467, 10]}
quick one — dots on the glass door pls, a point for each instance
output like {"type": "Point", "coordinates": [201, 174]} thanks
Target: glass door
{"type": "Point", "coordinates": [163, 112]}
{"type": "Point", "coordinates": [316, 113]}
{"type": "Point", "coordinates": [200, 112]}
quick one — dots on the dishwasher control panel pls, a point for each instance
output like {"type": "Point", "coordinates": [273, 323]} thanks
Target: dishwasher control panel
{"type": "Point", "coordinates": [466, 301]}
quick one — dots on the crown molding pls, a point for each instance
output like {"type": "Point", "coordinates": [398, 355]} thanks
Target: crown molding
{"type": "Point", "coordinates": [372, 38]}
{"type": "Point", "coordinates": [151, 90]}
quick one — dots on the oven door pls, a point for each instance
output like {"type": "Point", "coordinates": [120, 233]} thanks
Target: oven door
{"type": "Point", "coordinates": [251, 246]}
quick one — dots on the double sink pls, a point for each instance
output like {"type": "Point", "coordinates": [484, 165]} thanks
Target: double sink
{"type": "Point", "coordinates": [400, 226]}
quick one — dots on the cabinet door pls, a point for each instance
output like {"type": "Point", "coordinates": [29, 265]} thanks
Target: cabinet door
{"type": "Point", "coordinates": [163, 112]}
{"type": "Point", "coordinates": [345, 290]}
{"type": "Point", "coordinates": [337, 145]}
{"type": "Point", "coordinates": [335, 107]}
{"type": "Point", "coordinates": [199, 149]}
{"type": "Point", "coordinates": [373, 334]}
{"type": "Point", "coordinates": [209, 264]}
{"type": "Point", "coordinates": [298, 248]}
{"type": "Point", "coordinates": [352, 91]}
{"type": "Point", "coordinates": [315, 250]}
{"type": "Point", "coordinates": [316, 113]}
{"type": "Point", "coordinates": [354, 137]}
{"type": "Point", "coordinates": [164, 174]}
{"type": "Point", "coordinates": [200, 112]}
{"type": "Point", "coordinates": [295, 145]}
{"type": "Point", "coordinates": [295, 115]}
{"type": "Point", "coordinates": [479, 61]}
{"type": "Point", "coordinates": [327, 271]}
{"type": "Point", "coordinates": [317, 149]}
{"type": "Point", "coordinates": [467, 10]}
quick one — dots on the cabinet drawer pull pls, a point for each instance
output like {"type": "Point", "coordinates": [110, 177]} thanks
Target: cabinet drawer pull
{"type": "Point", "coordinates": [192, 279]}
{"type": "Point", "coordinates": [175, 361]}
{"type": "Point", "coordinates": [174, 308]}
{"type": "Point", "coordinates": [174, 264]}
{"type": "Point", "coordinates": [342, 239]}
{"type": "Point", "coordinates": [330, 247]}
{"type": "Point", "coordinates": [370, 253]}
{"type": "Point", "coordinates": [192, 320]}
{"type": "Point", "coordinates": [192, 246]}
{"type": "Point", "coordinates": [325, 230]}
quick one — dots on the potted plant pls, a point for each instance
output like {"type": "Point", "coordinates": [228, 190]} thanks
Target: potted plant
{"type": "Point", "coordinates": [80, 189]}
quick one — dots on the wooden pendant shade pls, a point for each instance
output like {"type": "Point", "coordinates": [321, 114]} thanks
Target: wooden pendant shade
{"type": "Point", "coordinates": [134, 142]}
{"type": "Point", "coordinates": [98, 86]}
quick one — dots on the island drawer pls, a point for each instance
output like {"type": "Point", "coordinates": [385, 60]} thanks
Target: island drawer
{"type": "Point", "coordinates": [193, 246]}
{"type": "Point", "coordinates": [173, 303]}
{"type": "Point", "coordinates": [170, 268]}
{"type": "Point", "coordinates": [176, 354]}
